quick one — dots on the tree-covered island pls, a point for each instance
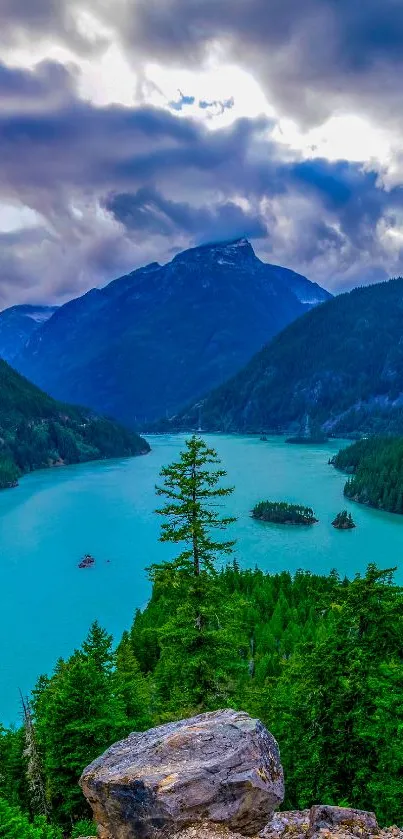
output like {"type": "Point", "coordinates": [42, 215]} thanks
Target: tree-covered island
{"type": "Point", "coordinates": [343, 521]}
{"type": "Point", "coordinates": [279, 512]}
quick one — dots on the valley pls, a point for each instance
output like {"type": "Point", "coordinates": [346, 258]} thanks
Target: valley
{"type": "Point", "coordinates": [107, 509]}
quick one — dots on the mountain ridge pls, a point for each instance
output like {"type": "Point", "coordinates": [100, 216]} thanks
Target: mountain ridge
{"type": "Point", "coordinates": [149, 342]}
{"type": "Point", "coordinates": [340, 365]}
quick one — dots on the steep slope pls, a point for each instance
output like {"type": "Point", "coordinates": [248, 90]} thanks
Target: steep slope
{"type": "Point", "coordinates": [341, 365]}
{"type": "Point", "coordinates": [36, 431]}
{"type": "Point", "coordinates": [17, 324]}
{"type": "Point", "coordinates": [150, 342]}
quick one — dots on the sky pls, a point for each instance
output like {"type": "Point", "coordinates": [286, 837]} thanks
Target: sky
{"type": "Point", "coordinates": [132, 129]}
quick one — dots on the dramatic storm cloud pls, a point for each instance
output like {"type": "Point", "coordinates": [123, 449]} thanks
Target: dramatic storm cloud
{"type": "Point", "coordinates": [131, 130]}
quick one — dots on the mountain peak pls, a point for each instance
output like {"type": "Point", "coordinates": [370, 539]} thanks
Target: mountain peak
{"type": "Point", "coordinates": [227, 250]}
{"type": "Point", "coordinates": [185, 326]}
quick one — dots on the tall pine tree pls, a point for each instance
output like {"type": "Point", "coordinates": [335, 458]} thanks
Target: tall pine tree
{"type": "Point", "coordinates": [194, 669]}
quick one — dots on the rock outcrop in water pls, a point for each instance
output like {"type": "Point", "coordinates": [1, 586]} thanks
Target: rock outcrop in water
{"type": "Point", "coordinates": [214, 776]}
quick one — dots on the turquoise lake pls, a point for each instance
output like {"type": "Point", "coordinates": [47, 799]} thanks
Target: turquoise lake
{"type": "Point", "coordinates": [47, 603]}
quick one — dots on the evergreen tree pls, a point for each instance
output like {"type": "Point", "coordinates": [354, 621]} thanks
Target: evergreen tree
{"type": "Point", "coordinates": [13, 767]}
{"type": "Point", "coordinates": [196, 650]}
{"type": "Point", "coordinates": [132, 687]}
{"type": "Point", "coordinates": [78, 713]}
{"type": "Point", "coordinates": [341, 697]}
{"type": "Point", "coordinates": [192, 488]}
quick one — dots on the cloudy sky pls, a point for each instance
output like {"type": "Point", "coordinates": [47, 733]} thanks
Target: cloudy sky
{"type": "Point", "coordinates": [132, 129]}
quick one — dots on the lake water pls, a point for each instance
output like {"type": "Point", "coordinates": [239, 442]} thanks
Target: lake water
{"type": "Point", "coordinates": [47, 604]}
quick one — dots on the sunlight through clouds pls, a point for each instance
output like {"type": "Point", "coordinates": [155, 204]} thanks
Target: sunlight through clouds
{"type": "Point", "coordinates": [286, 122]}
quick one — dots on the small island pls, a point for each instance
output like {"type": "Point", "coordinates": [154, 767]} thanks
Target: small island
{"type": "Point", "coordinates": [343, 521]}
{"type": "Point", "coordinates": [87, 561]}
{"type": "Point", "coordinates": [280, 512]}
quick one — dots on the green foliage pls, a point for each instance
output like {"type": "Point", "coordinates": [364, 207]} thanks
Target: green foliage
{"type": "Point", "coordinates": [13, 765]}
{"type": "Point", "coordinates": [37, 432]}
{"type": "Point", "coordinates": [84, 827]}
{"type": "Point", "coordinates": [317, 658]}
{"type": "Point", "coordinates": [337, 707]}
{"type": "Point", "coordinates": [341, 363]}
{"type": "Point", "coordinates": [132, 687]}
{"type": "Point", "coordinates": [376, 466]}
{"type": "Point", "coordinates": [282, 513]}
{"type": "Point", "coordinates": [15, 825]}
{"type": "Point", "coordinates": [194, 646]}
{"type": "Point", "coordinates": [191, 490]}
{"type": "Point", "coordinates": [78, 712]}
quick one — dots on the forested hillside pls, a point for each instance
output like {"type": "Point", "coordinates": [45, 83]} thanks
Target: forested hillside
{"type": "Point", "coordinates": [376, 467]}
{"type": "Point", "coordinates": [340, 365]}
{"type": "Point", "coordinates": [310, 655]}
{"type": "Point", "coordinates": [36, 431]}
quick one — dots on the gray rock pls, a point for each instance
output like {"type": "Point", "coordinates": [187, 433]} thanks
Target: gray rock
{"type": "Point", "coordinates": [289, 823]}
{"type": "Point", "coordinates": [222, 767]}
{"type": "Point", "coordinates": [207, 830]}
{"type": "Point", "coordinates": [353, 822]}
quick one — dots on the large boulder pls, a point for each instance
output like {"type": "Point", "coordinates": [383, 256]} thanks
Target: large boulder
{"type": "Point", "coordinates": [222, 767]}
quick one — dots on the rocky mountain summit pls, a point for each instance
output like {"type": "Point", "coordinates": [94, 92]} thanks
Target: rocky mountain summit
{"type": "Point", "coordinates": [214, 776]}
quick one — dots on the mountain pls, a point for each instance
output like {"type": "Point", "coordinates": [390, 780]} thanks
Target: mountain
{"type": "Point", "coordinates": [339, 367]}
{"type": "Point", "coordinates": [36, 431]}
{"type": "Point", "coordinates": [152, 341]}
{"type": "Point", "coordinates": [17, 324]}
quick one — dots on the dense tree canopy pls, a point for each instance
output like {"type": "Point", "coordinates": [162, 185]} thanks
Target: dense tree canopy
{"type": "Point", "coordinates": [376, 467]}
{"type": "Point", "coordinates": [36, 431]}
{"type": "Point", "coordinates": [279, 512]}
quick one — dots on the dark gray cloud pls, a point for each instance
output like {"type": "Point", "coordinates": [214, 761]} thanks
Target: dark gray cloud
{"type": "Point", "coordinates": [47, 86]}
{"type": "Point", "coordinates": [115, 187]}
{"type": "Point", "coordinates": [314, 57]}
{"type": "Point", "coordinates": [151, 212]}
